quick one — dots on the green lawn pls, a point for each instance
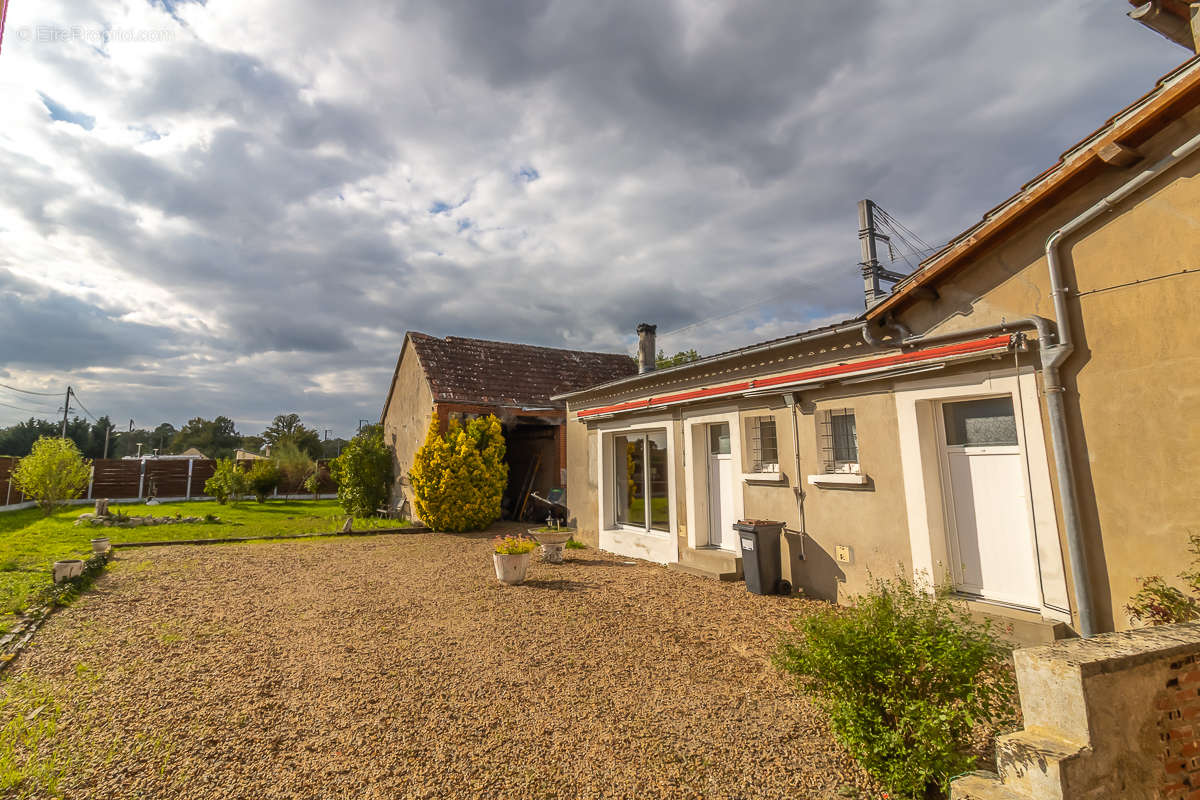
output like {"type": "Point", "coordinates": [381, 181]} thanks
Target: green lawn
{"type": "Point", "coordinates": [31, 542]}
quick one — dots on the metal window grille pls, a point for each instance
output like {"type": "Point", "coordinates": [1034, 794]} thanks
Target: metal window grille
{"type": "Point", "coordinates": [838, 439]}
{"type": "Point", "coordinates": [764, 446]}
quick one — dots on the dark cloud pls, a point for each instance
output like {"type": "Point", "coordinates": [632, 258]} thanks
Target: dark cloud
{"type": "Point", "coordinates": [267, 200]}
{"type": "Point", "coordinates": [48, 330]}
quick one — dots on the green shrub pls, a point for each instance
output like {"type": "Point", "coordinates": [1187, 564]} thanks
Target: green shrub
{"type": "Point", "coordinates": [1159, 603]}
{"type": "Point", "coordinates": [263, 478]}
{"type": "Point", "coordinates": [572, 544]}
{"type": "Point", "coordinates": [227, 483]}
{"type": "Point", "coordinates": [905, 675]}
{"type": "Point", "coordinates": [458, 479]}
{"type": "Point", "coordinates": [363, 473]}
{"type": "Point", "coordinates": [53, 472]}
{"type": "Point", "coordinates": [312, 484]}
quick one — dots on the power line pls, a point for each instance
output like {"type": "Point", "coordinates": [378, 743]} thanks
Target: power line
{"type": "Point", "coordinates": [81, 405]}
{"type": "Point", "coordinates": [26, 391]}
{"type": "Point", "coordinates": [32, 410]}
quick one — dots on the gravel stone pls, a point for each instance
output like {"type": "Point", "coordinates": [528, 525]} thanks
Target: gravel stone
{"type": "Point", "coordinates": [399, 667]}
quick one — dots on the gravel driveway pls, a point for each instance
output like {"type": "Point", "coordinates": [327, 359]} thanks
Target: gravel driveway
{"type": "Point", "coordinates": [398, 667]}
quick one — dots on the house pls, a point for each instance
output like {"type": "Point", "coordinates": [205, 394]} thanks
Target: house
{"type": "Point", "coordinates": [459, 379]}
{"type": "Point", "coordinates": [1017, 417]}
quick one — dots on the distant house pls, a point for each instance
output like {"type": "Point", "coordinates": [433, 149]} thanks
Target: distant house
{"type": "Point", "coordinates": [1016, 418]}
{"type": "Point", "coordinates": [249, 455]}
{"type": "Point", "coordinates": [457, 378]}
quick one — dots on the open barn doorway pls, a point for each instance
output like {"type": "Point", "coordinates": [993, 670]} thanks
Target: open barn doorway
{"type": "Point", "coordinates": [535, 456]}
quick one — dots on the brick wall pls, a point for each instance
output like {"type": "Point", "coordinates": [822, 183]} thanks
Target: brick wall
{"type": "Point", "coordinates": [1178, 706]}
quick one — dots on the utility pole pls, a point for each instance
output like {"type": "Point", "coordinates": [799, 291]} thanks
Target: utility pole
{"type": "Point", "coordinates": [66, 410]}
{"type": "Point", "coordinates": [872, 272]}
{"type": "Point", "coordinates": [107, 431]}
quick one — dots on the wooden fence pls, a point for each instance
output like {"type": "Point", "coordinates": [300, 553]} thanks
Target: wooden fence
{"type": "Point", "coordinates": [137, 478]}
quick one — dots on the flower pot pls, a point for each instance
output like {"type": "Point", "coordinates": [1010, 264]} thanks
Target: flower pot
{"type": "Point", "coordinates": [511, 569]}
{"type": "Point", "coordinates": [100, 545]}
{"type": "Point", "coordinates": [552, 543]}
{"type": "Point", "coordinates": [66, 569]}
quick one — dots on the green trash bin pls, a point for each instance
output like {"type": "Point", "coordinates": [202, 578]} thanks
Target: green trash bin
{"type": "Point", "coordinates": [758, 540]}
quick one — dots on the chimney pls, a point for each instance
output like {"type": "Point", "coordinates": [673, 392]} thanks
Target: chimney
{"type": "Point", "coordinates": [646, 350]}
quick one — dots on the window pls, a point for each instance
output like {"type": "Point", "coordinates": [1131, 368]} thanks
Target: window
{"type": "Point", "coordinates": [764, 447]}
{"type": "Point", "coordinates": [837, 437]}
{"type": "Point", "coordinates": [640, 475]}
{"type": "Point", "coordinates": [979, 423]}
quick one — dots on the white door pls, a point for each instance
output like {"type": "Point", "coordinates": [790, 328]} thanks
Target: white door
{"type": "Point", "coordinates": [720, 488]}
{"type": "Point", "coordinates": [987, 502]}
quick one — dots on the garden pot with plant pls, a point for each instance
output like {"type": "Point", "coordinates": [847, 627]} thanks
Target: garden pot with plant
{"type": "Point", "coordinates": [67, 568]}
{"type": "Point", "coordinates": [511, 558]}
{"type": "Point", "coordinates": [100, 544]}
{"type": "Point", "coordinates": [552, 540]}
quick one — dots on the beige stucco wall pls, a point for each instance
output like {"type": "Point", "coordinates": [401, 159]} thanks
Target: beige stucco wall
{"type": "Point", "coordinates": [870, 520]}
{"type": "Point", "coordinates": [407, 418]}
{"type": "Point", "coordinates": [1133, 383]}
{"type": "Point", "coordinates": [581, 481]}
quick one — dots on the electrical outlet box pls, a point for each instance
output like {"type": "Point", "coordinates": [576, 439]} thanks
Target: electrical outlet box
{"type": "Point", "coordinates": [844, 554]}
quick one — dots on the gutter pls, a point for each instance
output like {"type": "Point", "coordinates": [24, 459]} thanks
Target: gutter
{"type": "Point", "coordinates": [820, 333]}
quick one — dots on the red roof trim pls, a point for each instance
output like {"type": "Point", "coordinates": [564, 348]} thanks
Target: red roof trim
{"type": "Point", "coordinates": [976, 346]}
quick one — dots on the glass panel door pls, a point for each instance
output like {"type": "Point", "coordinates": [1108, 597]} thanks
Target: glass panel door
{"type": "Point", "coordinates": [640, 472]}
{"type": "Point", "coordinates": [629, 460]}
{"type": "Point", "coordinates": [656, 449]}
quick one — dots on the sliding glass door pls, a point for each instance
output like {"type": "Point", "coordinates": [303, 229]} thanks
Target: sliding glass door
{"type": "Point", "coordinates": [640, 480]}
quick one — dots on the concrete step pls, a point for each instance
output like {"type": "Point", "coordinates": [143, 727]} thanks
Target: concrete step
{"type": "Point", "coordinates": [1036, 762]}
{"type": "Point", "coordinates": [711, 562]}
{"type": "Point", "coordinates": [983, 786]}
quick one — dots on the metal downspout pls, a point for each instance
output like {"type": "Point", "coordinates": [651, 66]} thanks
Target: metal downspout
{"type": "Point", "coordinates": [1053, 357]}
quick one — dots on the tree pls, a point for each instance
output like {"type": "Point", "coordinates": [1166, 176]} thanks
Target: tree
{"type": "Point", "coordinates": [162, 436]}
{"type": "Point", "coordinates": [53, 472]}
{"type": "Point", "coordinates": [17, 440]}
{"type": "Point", "coordinates": [662, 360]}
{"type": "Point", "coordinates": [458, 479]}
{"type": "Point", "coordinates": [263, 478]}
{"type": "Point", "coordinates": [363, 473]}
{"type": "Point", "coordinates": [228, 482]}
{"type": "Point", "coordinates": [293, 464]}
{"type": "Point", "coordinates": [287, 427]}
{"type": "Point", "coordinates": [215, 438]}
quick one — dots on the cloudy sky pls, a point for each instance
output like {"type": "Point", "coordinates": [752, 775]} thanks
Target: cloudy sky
{"type": "Point", "coordinates": [238, 207]}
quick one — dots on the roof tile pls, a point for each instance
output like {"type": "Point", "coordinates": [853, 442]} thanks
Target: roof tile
{"type": "Point", "coordinates": [503, 373]}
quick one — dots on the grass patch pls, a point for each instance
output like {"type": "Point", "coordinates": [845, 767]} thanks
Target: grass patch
{"type": "Point", "coordinates": [31, 542]}
{"type": "Point", "coordinates": [29, 715]}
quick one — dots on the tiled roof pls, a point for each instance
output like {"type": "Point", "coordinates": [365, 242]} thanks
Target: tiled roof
{"type": "Point", "coordinates": [502, 373]}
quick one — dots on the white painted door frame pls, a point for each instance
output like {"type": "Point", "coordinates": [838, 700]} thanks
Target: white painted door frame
{"type": "Point", "coordinates": [659, 546]}
{"type": "Point", "coordinates": [695, 468]}
{"type": "Point", "coordinates": [917, 407]}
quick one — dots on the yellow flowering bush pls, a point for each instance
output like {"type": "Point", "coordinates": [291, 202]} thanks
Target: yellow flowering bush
{"type": "Point", "coordinates": [458, 478]}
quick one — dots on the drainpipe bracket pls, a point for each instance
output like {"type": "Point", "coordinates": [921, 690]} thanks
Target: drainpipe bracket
{"type": "Point", "coordinates": [1054, 355]}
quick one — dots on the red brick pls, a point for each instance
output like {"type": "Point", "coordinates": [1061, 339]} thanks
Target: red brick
{"type": "Point", "coordinates": [1174, 767]}
{"type": "Point", "coordinates": [1178, 734]}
